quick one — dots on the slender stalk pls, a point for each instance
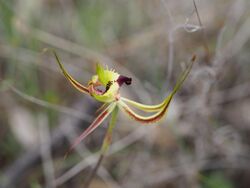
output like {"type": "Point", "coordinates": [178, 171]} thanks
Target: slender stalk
{"type": "Point", "coordinates": [105, 146]}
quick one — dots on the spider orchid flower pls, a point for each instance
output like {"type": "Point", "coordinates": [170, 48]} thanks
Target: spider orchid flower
{"type": "Point", "coordinates": [105, 87]}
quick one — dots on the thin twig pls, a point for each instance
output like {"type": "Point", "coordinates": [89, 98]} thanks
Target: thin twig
{"type": "Point", "coordinates": [117, 146]}
{"type": "Point", "coordinates": [83, 151]}
{"type": "Point", "coordinates": [45, 143]}
{"type": "Point", "coordinates": [15, 172]}
{"type": "Point", "coordinates": [59, 108]}
{"type": "Point", "coordinates": [93, 173]}
{"type": "Point", "coordinates": [171, 43]}
{"type": "Point", "coordinates": [204, 36]}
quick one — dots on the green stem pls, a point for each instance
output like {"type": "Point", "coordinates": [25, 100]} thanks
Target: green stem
{"type": "Point", "coordinates": [105, 146]}
{"type": "Point", "coordinates": [108, 137]}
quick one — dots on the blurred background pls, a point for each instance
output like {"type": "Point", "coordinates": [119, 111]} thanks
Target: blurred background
{"type": "Point", "coordinates": [204, 141]}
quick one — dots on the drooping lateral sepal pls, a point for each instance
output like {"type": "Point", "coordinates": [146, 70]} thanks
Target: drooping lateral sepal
{"type": "Point", "coordinates": [98, 120]}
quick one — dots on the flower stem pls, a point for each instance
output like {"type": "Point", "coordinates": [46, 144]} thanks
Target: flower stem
{"type": "Point", "coordinates": [105, 146]}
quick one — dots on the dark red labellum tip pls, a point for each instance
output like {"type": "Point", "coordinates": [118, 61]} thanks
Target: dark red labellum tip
{"type": "Point", "coordinates": [123, 79]}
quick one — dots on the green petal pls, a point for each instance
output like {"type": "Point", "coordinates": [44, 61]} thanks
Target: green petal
{"type": "Point", "coordinates": [146, 119]}
{"type": "Point", "coordinates": [144, 107]}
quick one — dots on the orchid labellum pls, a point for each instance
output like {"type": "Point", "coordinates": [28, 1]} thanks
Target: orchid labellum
{"type": "Point", "coordinates": [105, 87]}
